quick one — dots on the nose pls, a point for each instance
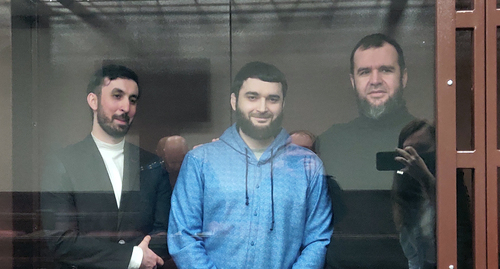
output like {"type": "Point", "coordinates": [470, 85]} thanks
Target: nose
{"type": "Point", "coordinates": [375, 77]}
{"type": "Point", "coordinates": [262, 105]}
{"type": "Point", "coordinates": [125, 106]}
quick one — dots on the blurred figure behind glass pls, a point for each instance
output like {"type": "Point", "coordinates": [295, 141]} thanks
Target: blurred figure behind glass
{"type": "Point", "coordinates": [172, 150]}
{"type": "Point", "coordinates": [414, 199]}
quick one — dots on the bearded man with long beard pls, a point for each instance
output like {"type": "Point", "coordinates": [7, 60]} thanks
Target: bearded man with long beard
{"type": "Point", "coordinates": [251, 199]}
{"type": "Point", "coordinates": [378, 77]}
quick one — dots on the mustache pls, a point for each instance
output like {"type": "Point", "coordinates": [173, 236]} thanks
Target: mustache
{"type": "Point", "coordinates": [122, 117]}
{"type": "Point", "coordinates": [261, 115]}
{"type": "Point", "coordinates": [376, 88]}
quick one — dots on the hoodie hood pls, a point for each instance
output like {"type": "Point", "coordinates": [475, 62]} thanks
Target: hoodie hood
{"type": "Point", "coordinates": [233, 139]}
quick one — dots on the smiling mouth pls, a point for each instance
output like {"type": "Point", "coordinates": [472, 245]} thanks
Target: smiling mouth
{"type": "Point", "coordinates": [124, 120]}
{"type": "Point", "coordinates": [262, 120]}
{"type": "Point", "coordinates": [121, 121]}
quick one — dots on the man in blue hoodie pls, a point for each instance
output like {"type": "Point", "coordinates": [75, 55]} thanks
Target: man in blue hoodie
{"type": "Point", "coordinates": [251, 199]}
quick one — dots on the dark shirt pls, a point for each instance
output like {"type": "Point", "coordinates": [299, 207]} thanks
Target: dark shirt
{"type": "Point", "coordinates": [348, 150]}
{"type": "Point", "coordinates": [366, 237]}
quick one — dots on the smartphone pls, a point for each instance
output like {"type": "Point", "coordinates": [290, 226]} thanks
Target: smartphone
{"type": "Point", "coordinates": [386, 162]}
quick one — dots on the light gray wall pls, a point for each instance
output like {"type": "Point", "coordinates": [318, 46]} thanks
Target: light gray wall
{"type": "Point", "coordinates": [6, 127]}
{"type": "Point", "coordinates": [6, 93]}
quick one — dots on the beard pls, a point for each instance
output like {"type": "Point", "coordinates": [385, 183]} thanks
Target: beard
{"type": "Point", "coordinates": [258, 133]}
{"type": "Point", "coordinates": [378, 111]}
{"type": "Point", "coordinates": [106, 123]}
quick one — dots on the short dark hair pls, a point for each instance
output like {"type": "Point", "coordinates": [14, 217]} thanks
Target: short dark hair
{"type": "Point", "coordinates": [112, 72]}
{"type": "Point", "coordinates": [413, 127]}
{"type": "Point", "coordinates": [263, 71]}
{"type": "Point", "coordinates": [377, 41]}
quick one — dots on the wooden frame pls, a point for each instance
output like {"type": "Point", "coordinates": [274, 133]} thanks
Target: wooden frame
{"type": "Point", "coordinates": [448, 158]}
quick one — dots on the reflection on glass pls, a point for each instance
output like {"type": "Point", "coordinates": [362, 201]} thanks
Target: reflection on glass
{"type": "Point", "coordinates": [414, 194]}
{"type": "Point", "coordinates": [181, 45]}
{"type": "Point", "coordinates": [464, 5]}
{"type": "Point", "coordinates": [465, 216]}
{"type": "Point", "coordinates": [464, 89]}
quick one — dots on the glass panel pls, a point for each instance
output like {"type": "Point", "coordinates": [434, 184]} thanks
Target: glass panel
{"type": "Point", "coordinates": [465, 217]}
{"type": "Point", "coordinates": [244, 192]}
{"type": "Point", "coordinates": [464, 5]}
{"type": "Point", "coordinates": [465, 89]}
{"type": "Point", "coordinates": [312, 46]}
{"type": "Point", "coordinates": [23, 201]}
{"type": "Point", "coordinates": [6, 231]}
{"type": "Point", "coordinates": [180, 52]}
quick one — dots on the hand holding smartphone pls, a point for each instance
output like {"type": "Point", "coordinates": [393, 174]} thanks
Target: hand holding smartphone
{"type": "Point", "coordinates": [385, 160]}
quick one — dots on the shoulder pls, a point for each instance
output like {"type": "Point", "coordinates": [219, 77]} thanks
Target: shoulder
{"type": "Point", "coordinates": [291, 148]}
{"type": "Point", "coordinates": [71, 160]}
{"type": "Point", "coordinates": [302, 156]}
{"type": "Point", "coordinates": [147, 160]}
{"type": "Point", "coordinates": [337, 132]}
{"type": "Point", "coordinates": [207, 149]}
{"type": "Point", "coordinates": [339, 128]}
{"type": "Point", "coordinates": [213, 152]}
{"type": "Point", "coordinates": [77, 151]}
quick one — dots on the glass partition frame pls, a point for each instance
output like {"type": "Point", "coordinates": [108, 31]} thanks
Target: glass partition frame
{"type": "Point", "coordinates": [448, 158]}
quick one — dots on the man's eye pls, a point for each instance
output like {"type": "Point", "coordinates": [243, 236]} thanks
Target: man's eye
{"type": "Point", "coordinates": [133, 101]}
{"type": "Point", "coordinates": [274, 100]}
{"type": "Point", "coordinates": [363, 72]}
{"type": "Point", "coordinates": [251, 97]}
{"type": "Point", "coordinates": [117, 96]}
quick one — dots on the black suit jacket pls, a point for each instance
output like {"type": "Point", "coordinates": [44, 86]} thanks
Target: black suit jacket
{"type": "Point", "coordinates": [84, 226]}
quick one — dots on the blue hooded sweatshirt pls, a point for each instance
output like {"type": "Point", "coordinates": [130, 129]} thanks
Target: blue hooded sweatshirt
{"type": "Point", "coordinates": [230, 210]}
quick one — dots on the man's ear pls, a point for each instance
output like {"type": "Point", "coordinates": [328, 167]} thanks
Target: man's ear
{"type": "Point", "coordinates": [233, 101]}
{"type": "Point", "coordinates": [404, 79]}
{"type": "Point", "coordinates": [351, 76]}
{"type": "Point", "coordinates": [92, 101]}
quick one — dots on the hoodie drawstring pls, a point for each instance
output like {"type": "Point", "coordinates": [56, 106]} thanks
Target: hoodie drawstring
{"type": "Point", "coordinates": [272, 191]}
{"type": "Point", "coordinates": [272, 186]}
{"type": "Point", "coordinates": [246, 176]}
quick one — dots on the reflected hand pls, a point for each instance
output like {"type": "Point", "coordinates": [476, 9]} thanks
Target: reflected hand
{"type": "Point", "coordinates": [149, 259]}
{"type": "Point", "coordinates": [414, 165]}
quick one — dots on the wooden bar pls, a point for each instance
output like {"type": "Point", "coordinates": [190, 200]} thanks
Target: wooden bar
{"type": "Point", "coordinates": [446, 134]}
{"type": "Point", "coordinates": [480, 214]}
{"type": "Point", "coordinates": [492, 18]}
